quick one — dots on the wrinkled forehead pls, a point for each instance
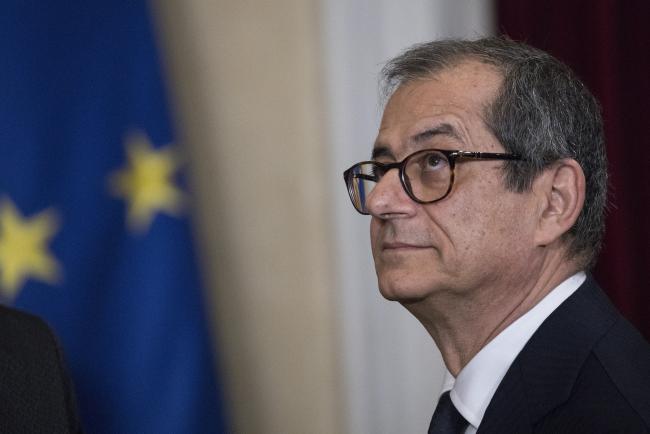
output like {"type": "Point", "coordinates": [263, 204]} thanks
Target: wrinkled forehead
{"type": "Point", "coordinates": [456, 98]}
{"type": "Point", "coordinates": [469, 84]}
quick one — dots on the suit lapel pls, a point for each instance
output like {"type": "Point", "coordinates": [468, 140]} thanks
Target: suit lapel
{"type": "Point", "coordinates": [509, 414]}
{"type": "Point", "coordinates": [543, 374]}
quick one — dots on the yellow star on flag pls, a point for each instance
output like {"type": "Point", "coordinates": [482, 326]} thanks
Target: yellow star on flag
{"type": "Point", "coordinates": [23, 248]}
{"type": "Point", "coordinates": [147, 182]}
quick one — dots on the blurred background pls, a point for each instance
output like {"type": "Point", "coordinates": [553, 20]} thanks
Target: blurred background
{"type": "Point", "coordinates": [172, 201]}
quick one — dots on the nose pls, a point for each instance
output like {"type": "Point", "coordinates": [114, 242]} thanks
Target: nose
{"type": "Point", "coordinates": [388, 199]}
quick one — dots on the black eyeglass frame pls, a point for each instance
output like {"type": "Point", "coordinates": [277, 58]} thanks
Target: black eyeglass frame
{"type": "Point", "coordinates": [450, 155]}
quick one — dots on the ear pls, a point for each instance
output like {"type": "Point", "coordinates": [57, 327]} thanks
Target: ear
{"type": "Point", "coordinates": [561, 193]}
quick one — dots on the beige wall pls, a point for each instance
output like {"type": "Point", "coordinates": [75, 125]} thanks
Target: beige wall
{"type": "Point", "coordinates": [247, 85]}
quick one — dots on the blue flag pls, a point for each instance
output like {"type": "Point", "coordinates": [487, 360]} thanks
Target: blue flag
{"type": "Point", "coordinates": [94, 229]}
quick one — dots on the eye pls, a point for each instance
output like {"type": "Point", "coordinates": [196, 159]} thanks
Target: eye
{"type": "Point", "coordinates": [432, 161]}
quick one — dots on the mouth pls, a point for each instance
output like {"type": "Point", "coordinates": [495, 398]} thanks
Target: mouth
{"type": "Point", "coordinates": [402, 247]}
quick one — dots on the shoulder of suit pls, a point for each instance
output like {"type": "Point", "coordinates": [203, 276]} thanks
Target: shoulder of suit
{"type": "Point", "coordinates": [625, 356]}
{"type": "Point", "coordinates": [22, 331]}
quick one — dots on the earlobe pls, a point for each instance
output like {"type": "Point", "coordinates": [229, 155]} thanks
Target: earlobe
{"type": "Point", "coordinates": [561, 189]}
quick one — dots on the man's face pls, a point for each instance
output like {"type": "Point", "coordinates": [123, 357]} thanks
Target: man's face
{"type": "Point", "coordinates": [481, 233]}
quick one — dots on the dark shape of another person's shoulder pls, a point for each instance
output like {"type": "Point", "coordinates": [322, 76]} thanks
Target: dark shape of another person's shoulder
{"type": "Point", "coordinates": [36, 394]}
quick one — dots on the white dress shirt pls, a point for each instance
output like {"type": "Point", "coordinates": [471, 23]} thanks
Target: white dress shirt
{"type": "Point", "coordinates": [472, 390]}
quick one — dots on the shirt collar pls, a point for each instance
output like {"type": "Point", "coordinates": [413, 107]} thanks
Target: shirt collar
{"type": "Point", "coordinates": [473, 389]}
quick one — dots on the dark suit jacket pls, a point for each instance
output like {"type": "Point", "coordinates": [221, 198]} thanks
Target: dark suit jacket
{"type": "Point", "coordinates": [35, 392]}
{"type": "Point", "coordinates": [585, 370]}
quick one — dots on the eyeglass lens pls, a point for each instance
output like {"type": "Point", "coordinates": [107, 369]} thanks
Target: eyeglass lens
{"type": "Point", "coordinates": [427, 176]}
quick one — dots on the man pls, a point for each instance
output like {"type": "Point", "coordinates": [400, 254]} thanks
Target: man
{"type": "Point", "coordinates": [35, 392]}
{"type": "Point", "coordinates": [487, 190]}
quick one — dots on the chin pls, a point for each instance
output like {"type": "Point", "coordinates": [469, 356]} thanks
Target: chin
{"type": "Point", "coordinates": [403, 291]}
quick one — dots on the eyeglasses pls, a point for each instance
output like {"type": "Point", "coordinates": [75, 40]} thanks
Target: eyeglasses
{"type": "Point", "coordinates": [427, 175]}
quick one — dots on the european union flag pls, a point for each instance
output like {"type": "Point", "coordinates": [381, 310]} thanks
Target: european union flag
{"type": "Point", "coordinates": [94, 232]}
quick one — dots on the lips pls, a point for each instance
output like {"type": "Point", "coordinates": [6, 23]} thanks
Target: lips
{"type": "Point", "coordinates": [402, 246]}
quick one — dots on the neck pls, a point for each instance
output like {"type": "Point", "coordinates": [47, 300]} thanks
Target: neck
{"type": "Point", "coordinates": [463, 322]}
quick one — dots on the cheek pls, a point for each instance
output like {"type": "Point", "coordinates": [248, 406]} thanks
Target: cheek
{"type": "Point", "coordinates": [487, 220]}
{"type": "Point", "coordinates": [499, 229]}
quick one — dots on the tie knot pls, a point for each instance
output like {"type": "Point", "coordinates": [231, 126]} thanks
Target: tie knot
{"type": "Point", "coordinates": [446, 419]}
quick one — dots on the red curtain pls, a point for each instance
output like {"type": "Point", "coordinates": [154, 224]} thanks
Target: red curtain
{"type": "Point", "coordinates": [607, 43]}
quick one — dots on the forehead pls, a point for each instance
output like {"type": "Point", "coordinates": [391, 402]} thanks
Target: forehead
{"type": "Point", "coordinates": [454, 98]}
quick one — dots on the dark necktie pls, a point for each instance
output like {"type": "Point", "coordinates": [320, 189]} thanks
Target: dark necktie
{"type": "Point", "coordinates": [446, 419]}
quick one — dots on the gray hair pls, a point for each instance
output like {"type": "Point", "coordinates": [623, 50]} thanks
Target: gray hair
{"type": "Point", "coordinates": [541, 112]}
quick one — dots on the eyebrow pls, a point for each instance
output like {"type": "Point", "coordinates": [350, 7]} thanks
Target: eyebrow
{"type": "Point", "coordinates": [381, 150]}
